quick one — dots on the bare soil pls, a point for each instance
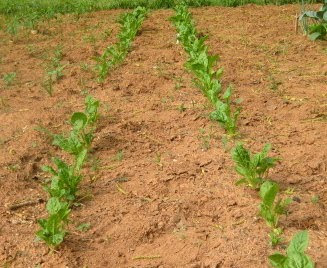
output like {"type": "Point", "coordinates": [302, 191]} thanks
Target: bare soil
{"type": "Point", "coordinates": [159, 187]}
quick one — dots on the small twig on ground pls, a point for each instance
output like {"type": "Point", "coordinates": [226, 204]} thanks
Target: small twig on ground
{"type": "Point", "coordinates": [25, 204]}
{"type": "Point", "coordinates": [146, 257]}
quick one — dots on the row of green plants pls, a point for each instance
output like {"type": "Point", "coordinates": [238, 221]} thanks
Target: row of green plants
{"type": "Point", "coordinates": [253, 168]}
{"type": "Point", "coordinates": [64, 184]}
{"type": "Point", "coordinates": [202, 65]}
{"type": "Point", "coordinates": [115, 54]}
{"type": "Point", "coordinates": [318, 29]}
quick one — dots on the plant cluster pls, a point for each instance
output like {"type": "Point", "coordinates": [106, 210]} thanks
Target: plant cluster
{"type": "Point", "coordinates": [66, 178]}
{"type": "Point", "coordinates": [317, 30]}
{"type": "Point", "coordinates": [252, 167]}
{"type": "Point", "coordinates": [113, 55]}
{"type": "Point", "coordinates": [201, 64]}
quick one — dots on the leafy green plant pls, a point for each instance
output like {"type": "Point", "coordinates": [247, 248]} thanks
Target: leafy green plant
{"type": "Point", "coordinates": [113, 55]}
{"type": "Point", "coordinates": [270, 209]}
{"type": "Point", "coordinates": [317, 30]}
{"type": "Point", "coordinates": [9, 78]}
{"type": "Point", "coordinates": [252, 168]}
{"type": "Point", "coordinates": [224, 115]}
{"type": "Point", "coordinates": [65, 180]}
{"type": "Point", "coordinates": [79, 140]}
{"type": "Point", "coordinates": [52, 230]}
{"type": "Point", "coordinates": [295, 254]}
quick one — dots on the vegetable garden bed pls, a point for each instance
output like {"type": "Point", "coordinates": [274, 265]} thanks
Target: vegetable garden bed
{"type": "Point", "coordinates": [158, 188]}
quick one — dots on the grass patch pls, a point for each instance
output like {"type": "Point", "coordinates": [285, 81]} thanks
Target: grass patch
{"type": "Point", "coordinates": [27, 13]}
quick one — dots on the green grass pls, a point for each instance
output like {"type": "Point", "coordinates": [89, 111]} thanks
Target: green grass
{"type": "Point", "coordinates": [27, 13]}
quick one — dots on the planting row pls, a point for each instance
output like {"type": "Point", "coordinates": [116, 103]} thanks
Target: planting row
{"type": "Point", "coordinates": [66, 177]}
{"type": "Point", "coordinates": [252, 168]}
{"type": "Point", "coordinates": [113, 55]}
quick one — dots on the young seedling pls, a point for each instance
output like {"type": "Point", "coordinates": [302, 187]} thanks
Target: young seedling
{"type": "Point", "coordinates": [224, 115]}
{"type": "Point", "coordinates": [54, 71]}
{"type": "Point", "coordinates": [295, 254]}
{"type": "Point", "coordinates": [252, 168]}
{"type": "Point", "coordinates": [270, 209]}
{"type": "Point", "coordinates": [9, 78]}
{"type": "Point", "coordinates": [52, 230]}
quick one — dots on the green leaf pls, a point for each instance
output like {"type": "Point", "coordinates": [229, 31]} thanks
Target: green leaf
{"type": "Point", "coordinates": [58, 238]}
{"type": "Point", "coordinates": [299, 243]}
{"type": "Point", "coordinates": [79, 120]}
{"type": "Point", "coordinates": [268, 192]}
{"type": "Point", "coordinates": [228, 93]}
{"type": "Point", "coordinates": [277, 260]}
{"type": "Point", "coordinates": [80, 159]}
{"type": "Point", "coordinates": [298, 260]}
{"type": "Point", "coordinates": [314, 36]}
{"type": "Point", "coordinates": [53, 205]}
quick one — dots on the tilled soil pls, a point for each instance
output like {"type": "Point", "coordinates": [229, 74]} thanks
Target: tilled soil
{"type": "Point", "coordinates": [159, 187]}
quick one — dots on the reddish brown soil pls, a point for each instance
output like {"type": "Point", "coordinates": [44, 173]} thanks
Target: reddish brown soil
{"type": "Point", "coordinates": [170, 201]}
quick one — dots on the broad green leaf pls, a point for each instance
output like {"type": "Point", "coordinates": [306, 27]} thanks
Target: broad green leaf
{"type": "Point", "coordinates": [314, 36]}
{"type": "Point", "coordinates": [298, 260]}
{"type": "Point", "coordinates": [53, 205]}
{"type": "Point", "coordinates": [277, 260]}
{"type": "Point", "coordinates": [79, 120]}
{"type": "Point", "coordinates": [299, 243]}
{"type": "Point", "coordinates": [268, 192]}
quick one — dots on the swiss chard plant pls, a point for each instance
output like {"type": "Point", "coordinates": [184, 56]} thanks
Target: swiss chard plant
{"type": "Point", "coordinates": [224, 115]}
{"type": "Point", "coordinates": [113, 55]}
{"type": "Point", "coordinates": [252, 167]}
{"type": "Point", "coordinates": [271, 208]}
{"type": "Point", "coordinates": [80, 138]}
{"type": "Point", "coordinates": [295, 254]}
{"type": "Point", "coordinates": [317, 30]}
{"type": "Point", "coordinates": [65, 180]}
{"type": "Point", "coordinates": [52, 230]}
